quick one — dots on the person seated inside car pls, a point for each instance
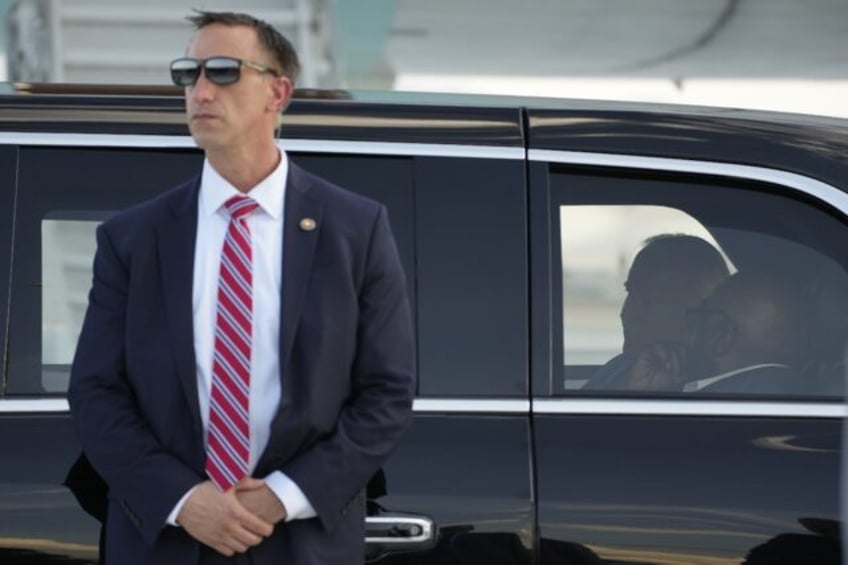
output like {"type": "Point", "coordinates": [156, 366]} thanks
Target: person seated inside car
{"type": "Point", "coordinates": [671, 273]}
{"type": "Point", "coordinates": [749, 337]}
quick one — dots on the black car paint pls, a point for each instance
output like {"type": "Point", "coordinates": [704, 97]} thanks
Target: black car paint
{"type": "Point", "coordinates": [512, 487]}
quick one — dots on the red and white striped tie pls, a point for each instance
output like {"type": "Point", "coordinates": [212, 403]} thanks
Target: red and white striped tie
{"type": "Point", "coordinates": [228, 444]}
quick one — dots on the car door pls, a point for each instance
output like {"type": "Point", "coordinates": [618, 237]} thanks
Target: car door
{"type": "Point", "coordinates": [461, 482]}
{"type": "Point", "coordinates": [63, 192]}
{"type": "Point", "coordinates": [459, 487]}
{"type": "Point", "coordinates": [655, 476]}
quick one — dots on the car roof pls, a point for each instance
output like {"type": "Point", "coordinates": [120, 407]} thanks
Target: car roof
{"type": "Point", "coordinates": [807, 144]}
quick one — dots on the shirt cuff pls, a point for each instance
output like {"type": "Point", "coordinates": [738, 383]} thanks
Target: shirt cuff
{"type": "Point", "coordinates": [292, 498]}
{"type": "Point", "coordinates": [172, 517]}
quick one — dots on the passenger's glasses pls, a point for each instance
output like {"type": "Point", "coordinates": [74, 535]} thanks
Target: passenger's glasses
{"type": "Point", "coordinates": [219, 70]}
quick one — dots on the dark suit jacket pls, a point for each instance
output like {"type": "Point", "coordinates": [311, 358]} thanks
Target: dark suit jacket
{"type": "Point", "coordinates": [612, 375]}
{"type": "Point", "coordinates": [346, 357]}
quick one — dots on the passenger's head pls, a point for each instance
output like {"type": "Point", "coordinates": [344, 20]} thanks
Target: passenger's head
{"type": "Point", "coordinates": [750, 319]}
{"type": "Point", "coordinates": [237, 100]}
{"type": "Point", "coordinates": [671, 273]}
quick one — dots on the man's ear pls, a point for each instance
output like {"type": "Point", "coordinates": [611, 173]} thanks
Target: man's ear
{"type": "Point", "coordinates": [281, 93]}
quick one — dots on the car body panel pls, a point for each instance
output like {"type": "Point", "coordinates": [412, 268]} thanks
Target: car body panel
{"type": "Point", "coordinates": [509, 467]}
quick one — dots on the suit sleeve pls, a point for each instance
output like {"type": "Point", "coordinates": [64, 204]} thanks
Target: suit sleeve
{"type": "Point", "coordinates": [143, 479]}
{"type": "Point", "coordinates": [379, 410]}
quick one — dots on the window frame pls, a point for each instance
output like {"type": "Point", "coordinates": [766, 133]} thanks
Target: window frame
{"type": "Point", "coordinates": [547, 353]}
{"type": "Point", "coordinates": [9, 171]}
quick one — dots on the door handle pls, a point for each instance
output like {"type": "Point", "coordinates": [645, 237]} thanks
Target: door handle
{"type": "Point", "coordinates": [399, 532]}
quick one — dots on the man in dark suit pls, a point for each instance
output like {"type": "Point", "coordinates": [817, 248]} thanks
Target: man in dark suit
{"type": "Point", "coordinates": [246, 360]}
{"type": "Point", "coordinates": [748, 337]}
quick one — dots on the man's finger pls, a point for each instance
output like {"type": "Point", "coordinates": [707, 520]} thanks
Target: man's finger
{"type": "Point", "coordinates": [224, 550]}
{"type": "Point", "coordinates": [247, 519]}
{"type": "Point", "coordinates": [244, 538]}
{"type": "Point", "coordinates": [239, 547]}
{"type": "Point", "coordinates": [248, 483]}
{"type": "Point", "coordinates": [255, 524]}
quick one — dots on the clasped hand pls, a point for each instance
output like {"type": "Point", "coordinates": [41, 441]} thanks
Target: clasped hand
{"type": "Point", "coordinates": [234, 521]}
{"type": "Point", "coordinates": [659, 367]}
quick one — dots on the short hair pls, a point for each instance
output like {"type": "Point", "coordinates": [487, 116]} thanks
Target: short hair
{"type": "Point", "coordinates": [692, 260]}
{"type": "Point", "coordinates": [269, 38]}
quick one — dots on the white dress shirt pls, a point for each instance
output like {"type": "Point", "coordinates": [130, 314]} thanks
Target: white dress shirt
{"type": "Point", "coordinates": [266, 228]}
{"type": "Point", "coordinates": [695, 386]}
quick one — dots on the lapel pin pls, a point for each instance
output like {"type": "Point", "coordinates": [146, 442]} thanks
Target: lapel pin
{"type": "Point", "coordinates": [307, 224]}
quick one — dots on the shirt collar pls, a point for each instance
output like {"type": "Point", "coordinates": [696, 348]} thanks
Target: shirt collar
{"type": "Point", "coordinates": [269, 193]}
{"type": "Point", "coordinates": [703, 383]}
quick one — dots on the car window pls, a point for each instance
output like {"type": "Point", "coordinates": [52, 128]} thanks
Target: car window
{"type": "Point", "coordinates": [65, 193]}
{"type": "Point", "coordinates": [695, 286]}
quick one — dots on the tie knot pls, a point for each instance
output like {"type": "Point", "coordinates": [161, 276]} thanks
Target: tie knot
{"type": "Point", "coordinates": [240, 206]}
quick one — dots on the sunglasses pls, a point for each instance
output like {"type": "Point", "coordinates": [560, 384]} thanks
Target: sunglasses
{"type": "Point", "coordinates": [219, 70]}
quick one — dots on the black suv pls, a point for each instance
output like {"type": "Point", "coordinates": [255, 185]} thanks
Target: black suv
{"type": "Point", "coordinates": [517, 221]}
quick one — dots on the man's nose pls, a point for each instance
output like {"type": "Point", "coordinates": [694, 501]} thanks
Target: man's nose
{"type": "Point", "coordinates": [203, 90]}
{"type": "Point", "coordinates": [626, 307]}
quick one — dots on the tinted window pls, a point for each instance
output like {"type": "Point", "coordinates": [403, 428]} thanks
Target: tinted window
{"type": "Point", "coordinates": [66, 193]}
{"type": "Point", "coordinates": [695, 286]}
{"type": "Point", "coordinates": [472, 277]}
{"type": "Point", "coordinates": [460, 228]}
{"type": "Point", "coordinates": [63, 194]}
{"type": "Point", "coordinates": [386, 180]}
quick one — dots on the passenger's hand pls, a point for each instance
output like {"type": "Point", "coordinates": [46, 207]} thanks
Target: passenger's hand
{"type": "Point", "coordinates": [220, 521]}
{"type": "Point", "coordinates": [258, 498]}
{"type": "Point", "coordinates": [659, 367]}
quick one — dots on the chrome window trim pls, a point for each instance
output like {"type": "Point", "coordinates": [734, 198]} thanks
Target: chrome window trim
{"type": "Point", "coordinates": [292, 145]}
{"type": "Point", "coordinates": [420, 405]}
{"type": "Point", "coordinates": [546, 406]}
{"type": "Point", "coordinates": [26, 405]}
{"type": "Point", "coordinates": [687, 407]}
{"type": "Point", "coordinates": [807, 185]}
{"type": "Point", "coordinates": [818, 189]}
{"type": "Point", "coordinates": [471, 405]}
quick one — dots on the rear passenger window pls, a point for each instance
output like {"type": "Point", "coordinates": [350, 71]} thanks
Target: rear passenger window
{"type": "Point", "coordinates": [696, 287]}
{"type": "Point", "coordinates": [65, 193]}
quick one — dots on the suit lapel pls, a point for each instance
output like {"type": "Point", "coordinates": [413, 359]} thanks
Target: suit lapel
{"type": "Point", "coordinates": [176, 240]}
{"type": "Point", "coordinates": [299, 242]}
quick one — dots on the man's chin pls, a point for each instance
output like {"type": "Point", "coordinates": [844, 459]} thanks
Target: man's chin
{"type": "Point", "coordinates": [204, 140]}
{"type": "Point", "coordinates": [204, 135]}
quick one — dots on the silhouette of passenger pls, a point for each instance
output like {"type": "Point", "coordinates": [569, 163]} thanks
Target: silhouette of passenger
{"type": "Point", "coordinates": [671, 273]}
{"type": "Point", "coordinates": [748, 336]}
